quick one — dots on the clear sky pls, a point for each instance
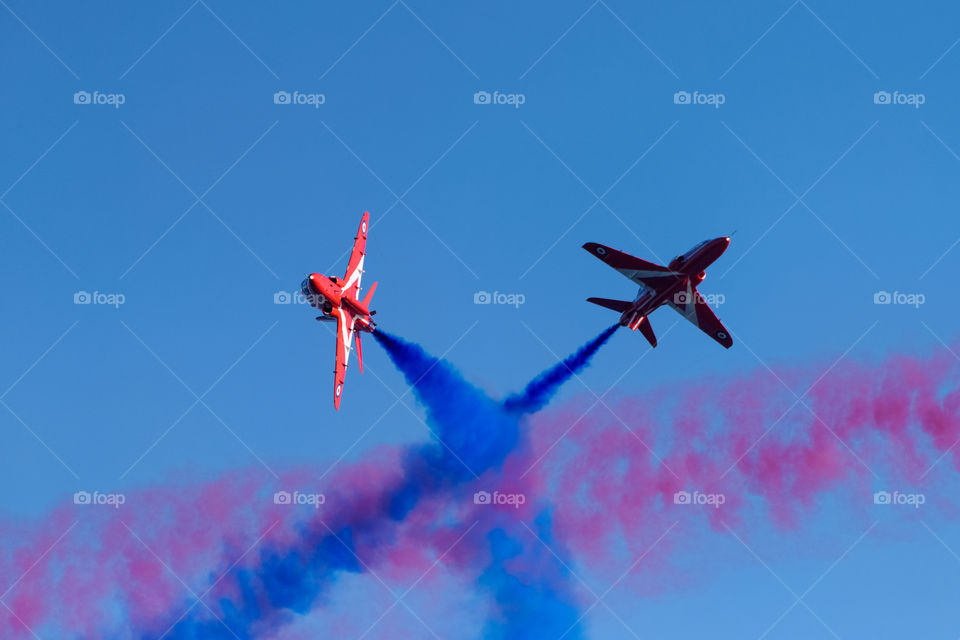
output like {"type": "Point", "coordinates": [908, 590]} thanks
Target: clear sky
{"type": "Point", "coordinates": [199, 198]}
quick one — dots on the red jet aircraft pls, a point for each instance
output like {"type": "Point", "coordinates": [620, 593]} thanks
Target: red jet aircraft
{"type": "Point", "coordinates": [339, 301]}
{"type": "Point", "coordinates": [674, 285]}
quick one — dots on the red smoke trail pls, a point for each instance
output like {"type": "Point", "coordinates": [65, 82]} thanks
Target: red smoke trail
{"type": "Point", "coordinates": [612, 473]}
{"type": "Point", "coordinates": [608, 477]}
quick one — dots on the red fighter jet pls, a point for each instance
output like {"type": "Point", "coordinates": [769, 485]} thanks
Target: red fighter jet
{"type": "Point", "coordinates": [674, 285]}
{"type": "Point", "coordinates": [339, 301]}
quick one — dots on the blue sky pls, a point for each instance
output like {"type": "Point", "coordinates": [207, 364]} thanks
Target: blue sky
{"type": "Point", "coordinates": [199, 198]}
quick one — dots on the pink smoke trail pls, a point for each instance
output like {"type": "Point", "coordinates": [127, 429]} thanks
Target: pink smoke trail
{"type": "Point", "coordinates": [606, 476]}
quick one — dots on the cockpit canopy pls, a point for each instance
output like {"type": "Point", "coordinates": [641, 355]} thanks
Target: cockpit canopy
{"type": "Point", "coordinates": [313, 299]}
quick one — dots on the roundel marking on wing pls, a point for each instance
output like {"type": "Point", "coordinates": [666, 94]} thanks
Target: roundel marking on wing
{"type": "Point", "coordinates": [601, 251]}
{"type": "Point", "coordinates": [339, 388]}
{"type": "Point", "coordinates": [364, 225]}
{"type": "Point", "coordinates": [722, 335]}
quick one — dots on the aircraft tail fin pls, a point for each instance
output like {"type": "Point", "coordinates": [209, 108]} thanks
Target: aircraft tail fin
{"type": "Point", "coordinates": [616, 305]}
{"type": "Point", "coordinates": [366, 299]}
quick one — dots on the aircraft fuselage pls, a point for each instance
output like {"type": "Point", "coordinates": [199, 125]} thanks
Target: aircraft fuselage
{"type": "Point", "coordinates": [324, 293]}
{"type": "Point", "coordinates": [690, 270]}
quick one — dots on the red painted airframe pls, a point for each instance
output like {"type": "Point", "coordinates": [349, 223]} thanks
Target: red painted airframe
{"type": "Point", "coordinates": [339, 301]}
{"type": "Point", "coordinates": [674, 285]}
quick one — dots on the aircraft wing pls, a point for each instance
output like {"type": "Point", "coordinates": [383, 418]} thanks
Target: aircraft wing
{"type": "Point", "coordinates": [345, 325]}
{"type": "Point", "coordinates": [351, 280]}
{"type": "Point", "coordinates": [646, 274]}
{"type": "Point", "coordinates": [691, 305]}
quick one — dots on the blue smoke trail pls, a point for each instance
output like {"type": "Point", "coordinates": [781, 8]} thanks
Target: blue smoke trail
{"type": "Point", "coordinates": [541, 389]}
{"type": "Point", "coordinates": [472, 433]}
{"type": "Point", "coordinates": [530, 606]}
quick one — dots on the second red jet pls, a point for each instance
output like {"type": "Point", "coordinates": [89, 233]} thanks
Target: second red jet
{"type": "Point", "coordinates": [339, 301]}
{"type": "Point", "coordinates": [674, 285]}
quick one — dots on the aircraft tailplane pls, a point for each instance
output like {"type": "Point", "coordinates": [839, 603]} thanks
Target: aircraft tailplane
{"type": "Point", "coordinates": [616, 305]}
{"type": "Point", "coordinates": [647, 330]}
{"type": "Point", "coordinates": [359, 351]}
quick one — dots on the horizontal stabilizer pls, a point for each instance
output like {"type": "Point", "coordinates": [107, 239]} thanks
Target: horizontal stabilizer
{"type": "Point", "coordinates": [647, 330]}
{"type": "Point", "coordinates": [617, 305]}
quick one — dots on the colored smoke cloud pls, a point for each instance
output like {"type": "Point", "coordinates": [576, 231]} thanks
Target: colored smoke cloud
{"type": "Point", "coordinates": [224, 560]}
{"type": "Point", "coordinates": [598, 482]}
